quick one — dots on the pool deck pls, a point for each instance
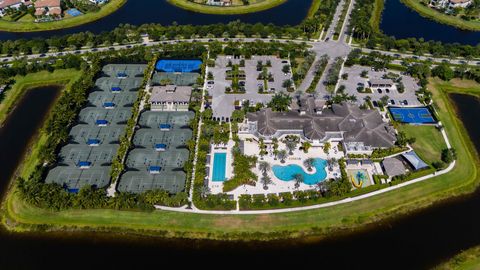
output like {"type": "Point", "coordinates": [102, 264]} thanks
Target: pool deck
{"type": "Point", "coordinates": [279, 186]}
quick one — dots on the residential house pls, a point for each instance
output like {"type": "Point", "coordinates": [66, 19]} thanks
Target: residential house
{"type": "Point", "coordinates": [48, 8]}
{"type": "Point", "coordinates": [5, 5]}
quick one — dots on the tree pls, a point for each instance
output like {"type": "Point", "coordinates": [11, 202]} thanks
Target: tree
{"type": "Point", "coordinates": [264, 166]}
{"type": "Point", "coordinates": [291, 145]}
{"type": "Point", "coordinates": [282, 155]}
{"type": "Point", "coordinates": [326, 147]}
{"type": "Point", "coordinates": [309, 163]}
{"type": "Point", "coordinates": [265, 180]}
{"type": "Point", "coordinates": [443, 71]}
{"type": "Point", "coordinates": [298, 179]}
{"type": "Point", "coordinates": [449, 155]}
{"type": "Point", "coordinates": [280, 102]}
{"type": "Point", "coordinates": [286, 69]}
{"type": "Point", "coordinates": [306, 146]}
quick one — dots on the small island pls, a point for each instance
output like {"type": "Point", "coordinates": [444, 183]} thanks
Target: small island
{"type": "Point", "coordinates": [226, 7]}
{"type": "Point", "coordinates": [44, 15]}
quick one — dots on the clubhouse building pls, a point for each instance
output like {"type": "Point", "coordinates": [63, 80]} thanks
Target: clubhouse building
{"type": "Point", "coordinates": [360, 131]}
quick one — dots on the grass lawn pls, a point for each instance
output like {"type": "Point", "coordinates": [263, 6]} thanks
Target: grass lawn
{"type": "Point", "coordinates": [319, 222]}
{"type": "Point", "coordinates": [377, 14]}
{"type": "Point", "coordinates": [440, 17]}
{"type": "Point", "coordinates": [227, 10]}
{"type": "Point", "coordinates": [22, 83]}
{"type": "Point", "coordinates": [429, 142]}
{"type": "Point", "coordinates": [28, 25]}
{"type": "Point", "coordinates": [467, 260]}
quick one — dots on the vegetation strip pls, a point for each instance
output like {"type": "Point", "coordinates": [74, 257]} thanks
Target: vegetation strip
{"type": "Point", "coordinates": [226, 10]}
{"type": "Point", "coordinates": [30, 26]}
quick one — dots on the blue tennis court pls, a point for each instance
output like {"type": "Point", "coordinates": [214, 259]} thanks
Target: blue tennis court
{"type": "Point", "coordinates": [178, 65]}
{"type": "Point", "coordinates": [420, 115]}
{"type": "Point", "coordinates": [74, 12]}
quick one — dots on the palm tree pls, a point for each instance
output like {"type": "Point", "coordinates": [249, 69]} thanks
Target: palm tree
{"type": "Point", "coordinates": [298, 179]}
{"type": "Point", "coordinates": [264, 166]}
{"type": "Point", "coordinates": [291, 145]}
{"type": "Point", "coordinates": [331, 163]}
{"type": "Point", "coordinates": [282, 154]}
{"type": "Point", "coordinates": [306, 146]}
{"type": "Point", "coordinates": [265, 180]}
{"type": "Point", "coordinates": [309, 162]}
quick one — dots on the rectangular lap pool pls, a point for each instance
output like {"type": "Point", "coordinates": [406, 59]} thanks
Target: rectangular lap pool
{"type": "Point", "coordinates": [219, 167]}
{"type": "Point", "coordinates": [419, 115]}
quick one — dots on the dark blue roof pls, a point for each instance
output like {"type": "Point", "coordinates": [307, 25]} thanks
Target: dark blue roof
{"type": "Point", "coordinates": [165, 126]}
{"type": "Point", "coordinates": [73, 190]}
{"type": "Point", "coordinates": [116, 89]}
{"type": "Point", "coordinates": [176, 65]}
{"type": "Point", "coordinates": [122, 74]}
{"type": "Point", "coordinates": [108, 104]}
{"type": "Point", "coordinates": [84, 163]}
{"type": "Point", "coordinates": [93, 141]}
{"type": "Point", "coordinates": [155, 168]}
{"type": "Point", "coordinates": [101, 122]}
{"type": "Point", "coordinates": [160, 145]}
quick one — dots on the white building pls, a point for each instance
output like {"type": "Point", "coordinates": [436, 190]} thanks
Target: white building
{"type": "Point", "coordinates": [170, 98]}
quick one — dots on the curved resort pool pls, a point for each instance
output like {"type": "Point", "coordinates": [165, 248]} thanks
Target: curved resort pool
{"type": "Point", "coordinates": [286, 173]}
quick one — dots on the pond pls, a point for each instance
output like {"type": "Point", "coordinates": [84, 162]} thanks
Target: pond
{"type": "Point", "coordinates": [139, 12]}
{"type": "Point", "coordinates": [402, 22]}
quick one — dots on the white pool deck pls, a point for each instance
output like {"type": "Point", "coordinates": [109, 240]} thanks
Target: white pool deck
{"type": "Point", "coordinates": [251, 148]}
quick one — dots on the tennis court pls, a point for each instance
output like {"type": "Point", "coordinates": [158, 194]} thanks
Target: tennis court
{"type": "Point", "coordinates": [179, 79]}
{"type": "Point", "coordinates": [169, 160]}
{"type": "Point", "coordinates": [178, 65]}
{"type": "Point", "coordinates": [94, 141]}
{"type": "Point", "coordinates": [419, 115]}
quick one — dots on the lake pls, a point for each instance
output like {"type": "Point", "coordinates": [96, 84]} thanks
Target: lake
{"type": "Point", "coordinates": [417, 241]}
{"type": "Point", "coordinates": [139, 12]}
{"type": "Point", "coordinates": [402, 22]}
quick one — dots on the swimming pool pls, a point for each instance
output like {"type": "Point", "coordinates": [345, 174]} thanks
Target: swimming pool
{"type": "Point", "coordinates": [219, 167]}
{"type": "Point", "coordinates": [286, 173]}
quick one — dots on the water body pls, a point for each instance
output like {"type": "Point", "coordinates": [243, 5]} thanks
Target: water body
{"type": "Point", "coordinates": [402, 22]}
{"type": "Point", "coordinates": [288, 172]}
{"type": "Point", "coordinates": [139, 12]}
{"type": "Point", "coordinates": [418, 241]}
{"type": "Point", "coordinates": [19, 128]}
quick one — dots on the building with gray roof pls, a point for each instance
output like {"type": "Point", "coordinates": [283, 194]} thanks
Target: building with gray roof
{"type": "Point", "coordinates": [360, 130]}
{"type": "Point", "coordinates": [170, 98]}
{"type": "Point", "coordinates": [393, 166]}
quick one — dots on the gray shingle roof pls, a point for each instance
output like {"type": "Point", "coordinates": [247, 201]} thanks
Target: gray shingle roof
{"type": "Point", "coordinates": [356, 124]}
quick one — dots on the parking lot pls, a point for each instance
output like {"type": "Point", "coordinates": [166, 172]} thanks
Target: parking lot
{"type": "Point", "coordinates": [355, 80]}
{"type": "Point", "coordinates": [223, 101]}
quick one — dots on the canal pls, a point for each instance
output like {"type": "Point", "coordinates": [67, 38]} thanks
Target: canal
{"type": "Point", "coordinates": [418, 241]}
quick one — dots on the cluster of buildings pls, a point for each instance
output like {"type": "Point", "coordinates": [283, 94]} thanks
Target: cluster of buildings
{"type": "Point", "coordinates": [222, 3]}
{"type": "Point", "coordinates": [450, 4]}
{"type": "Point", "coordinates": [42, 7]}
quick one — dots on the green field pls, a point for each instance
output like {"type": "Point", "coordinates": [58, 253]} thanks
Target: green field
{"type": "Point", "coordinates": [23, 83]}
{"type": "Point", "coordinates": [440, 17]}
{"type": "Point", "coordinates": [26, 23]}
{"type": "Point", "coordinates": [467, 260]}
{"type": "Point", "coordinates": [254, 6]}
{"type": "Point", "coordinates": [429, 142]}
{"type": "Point", "coordinates": [319, 222]}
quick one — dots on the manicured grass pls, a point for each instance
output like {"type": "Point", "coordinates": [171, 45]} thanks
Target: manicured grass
{"type": "Point", "coordinates": [377, 14]}
{"type": "Point", "coordinates": [467, 260]}
{"type": "Point", "coordinates": [313, 8]}
{"type": "Point", "coordinates": [440, 17]}
{"type": "Point", "coordinates": [429, 142]}
{"type": "Point", "coordinates": [226, 10]}
{"type": "Point", "coordinates": [23, 83]}
{"type": "Point", "coordinates": [320, 222]}
{"type": "Point", "coordinates": [28, 25]}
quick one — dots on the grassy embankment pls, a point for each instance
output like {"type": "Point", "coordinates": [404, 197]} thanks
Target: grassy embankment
{"type": "Point", "coordinates": [28, 25]}
{"type": "Point", "coordinates": [440, 17]}
{"type": "Point", "coordinates": [23, 83]}
{"type": "Point", "coordinates": [377, 14]}
{"type": "Point", "coordinates": [227, 10]}
{"type": "Point", "coordinates": [463, 178]}
{"type": "Point", "coordinates": [467, 260]}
